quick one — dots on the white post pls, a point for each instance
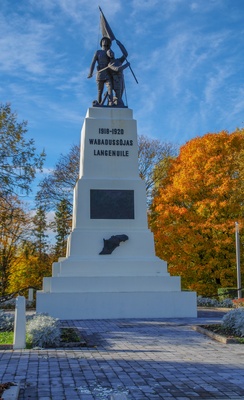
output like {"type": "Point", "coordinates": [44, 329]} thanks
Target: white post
{"type": "Point", "coordinates": [238, 261]}
{"type": "Point", "coordinates": [19, 324]}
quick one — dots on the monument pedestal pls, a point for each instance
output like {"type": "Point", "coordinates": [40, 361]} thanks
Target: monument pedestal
{"type": "Point", "coordinates": [110, 269]}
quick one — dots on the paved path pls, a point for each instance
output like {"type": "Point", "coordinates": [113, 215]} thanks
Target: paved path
{"type": "Point", "coordinates": [133, 359]}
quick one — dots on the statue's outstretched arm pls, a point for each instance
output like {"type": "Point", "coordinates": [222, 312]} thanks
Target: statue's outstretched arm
{"type": "Point", "coordinates": [119, 68]}
{"type": "Point", "coordinates": [92, 65]}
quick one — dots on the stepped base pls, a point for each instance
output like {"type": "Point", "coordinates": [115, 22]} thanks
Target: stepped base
{"type": "Point", "coordinates": [103, 277]}
{"type": "Point", "coordinates": [109, 266]}
{"type": "Point", "coordinates": [111, 305]}
{"type": "Point", "coordinates": [111, 284]}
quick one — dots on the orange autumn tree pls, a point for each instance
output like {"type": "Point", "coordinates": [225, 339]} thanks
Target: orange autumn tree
{"type": "Point", "coordinates": [194, 211]}
{"type": "Point", "coordinates": [28, 269]}
{"type": "Point", "coordinates": [33, 259]}
{"type": "Point", "coordinates": [14, 231]}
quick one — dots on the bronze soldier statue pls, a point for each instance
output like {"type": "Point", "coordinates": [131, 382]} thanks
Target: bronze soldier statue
{"type": "Point", "coordinates": [103, 76]}
{"type": "Point", "coordinates": [109, 69]}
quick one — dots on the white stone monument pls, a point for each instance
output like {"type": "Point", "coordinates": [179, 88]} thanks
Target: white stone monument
{"type": "Point", "coordinates": [110, 270]}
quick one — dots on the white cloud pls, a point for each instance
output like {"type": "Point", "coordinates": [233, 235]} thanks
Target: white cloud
{"type": "Point", "coordinates": [144, 4]}
{"type": "Point", "coordinates": [205, 6]}
{"type": "Point", "coordinates": [24, 49]}
{"type": "Point", "coordinates": [215, 83]}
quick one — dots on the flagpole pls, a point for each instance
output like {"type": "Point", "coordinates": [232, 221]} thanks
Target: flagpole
{"type": "Point", "coordinates": [132, 72]}
{"type": "Point", "coordinates": [238, 262]}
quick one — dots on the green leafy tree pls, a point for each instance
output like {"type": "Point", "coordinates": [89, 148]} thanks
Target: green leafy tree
{"type": "Point", "coordinates": [18, 158]}
{"type": "Point", "coordinates": [40, 232]}
{"type": "Point", "coordinates": [62, 225]}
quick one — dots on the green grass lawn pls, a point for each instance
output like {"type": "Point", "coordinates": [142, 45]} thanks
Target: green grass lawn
{"type": "Point", "coordinates": [6, 337]}
{"type": "Point", "coordinates": [68, 335]}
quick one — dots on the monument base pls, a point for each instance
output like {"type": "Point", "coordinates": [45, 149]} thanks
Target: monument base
{"type": "Point", "coordinates": [118, 305]}
{"type": "Point", "coordinates": [101, 278]}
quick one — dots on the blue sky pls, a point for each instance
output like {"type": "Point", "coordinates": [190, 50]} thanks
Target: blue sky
{"type": "Point", "coordinates": [188, 56]}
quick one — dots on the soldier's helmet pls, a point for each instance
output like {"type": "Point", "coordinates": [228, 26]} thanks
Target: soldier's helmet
{"type": "Point", "coordinates": [107, 39]}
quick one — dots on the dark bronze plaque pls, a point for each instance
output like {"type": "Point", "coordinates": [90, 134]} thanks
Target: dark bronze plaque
{"type": "Point", "coordinates": [112, 204]}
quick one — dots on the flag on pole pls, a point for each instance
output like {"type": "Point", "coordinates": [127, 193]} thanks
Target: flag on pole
{"type": "Point", "coordinates": [107, 32]}
{"type": "Point", "coordinates": [105, 28]}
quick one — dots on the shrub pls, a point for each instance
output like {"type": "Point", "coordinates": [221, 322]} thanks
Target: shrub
{"type": "Point", "coordinates": [234, 320]}
{"type": "Point", "coordinates": [226, 303]}
{"type": "Point", "coordinates": [6, 321]}
{"type": "Point", "coordinates": [8, 304]}
{"type": "Point", "coordinates": [207, 302]}
{"type": "Point", "coordinates": [43, 331]}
